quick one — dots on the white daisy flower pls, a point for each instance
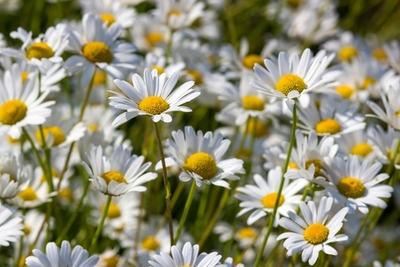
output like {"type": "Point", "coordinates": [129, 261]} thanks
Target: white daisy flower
{"type": "Point", "coordinates": [201, 157]}
{"type": "Point", "coordinates": [151, 95]}
{"type": "Point", "coordinates": [385, 143]}
{"type": "Point", "coordinates": [347, 47]}
{"type": "Point", "coordinates": [99, 47]}
{"type": "Point", "coordinates": [61, 256]}
{"type": "Point", "coordinates": [229, 263]}
{"type": "Point", "coordinates": [14, 175]}
{"type": "Point", "coordinates": [189, 256]}
{"type": "Point", "coordinates": [159, 62]}
{"type": "Point", "coordinates": [358, 143]}
{"type": "Point", "coordinates": [291, 76]}
{"type": "Point", "coordinates": [393, 51]}
{"type": "Point", "coordinates": [261, 198]}
{"type": "Point", "coordinates": [313, 233]}
{"type": "Point", "coordinates": [354, 183]}
{"type": "Point", "coordinates": [10, 227]}
{"type": "Point", "coordinates": [20, 105]}
{"type": "Point", "coordinates": [119, 173]}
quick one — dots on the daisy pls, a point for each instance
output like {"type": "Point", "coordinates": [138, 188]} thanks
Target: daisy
{"type": "Point", "coordinates": [119, 173]}
{"type": "Point", "coordinates": [188, 257]}
{"type": "Point", "coordinates": [385, 143]}
{"type": "Point", "coordinates": [313, 233]}
{"type": "Point", "coordinates": [347, 47]}
{"type": "Point", "coordinates": [61, 256]}
{"type": "Point", "coordinates": [358, 143]}
{"type": "Point", "coordinates": [261, 198]}
{"type": "Point", "coordinates": [200, 157]}
{"type": "Point", "coordinates": [354, 183]}
{"type": "Point", "coordinates": [229, 263]}
{"type": "Point", "coordinates": [291, 76]}
{"type": "Point", "coordinates": [20, 105]}
{"type": "Point", "coordinates": [14, 175]}
{"type": "Point", "coordinates": [98, 47]}
{"type": "Point", "coordinates": [152, 96]}
{"type": "Point", "coordinates": [10, 227]}
{"type": "Point", "coordinates": [393, 51]}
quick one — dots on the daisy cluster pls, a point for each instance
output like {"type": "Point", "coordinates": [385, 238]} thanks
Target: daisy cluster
{"type": "Point", "coordinates": [138, 135]}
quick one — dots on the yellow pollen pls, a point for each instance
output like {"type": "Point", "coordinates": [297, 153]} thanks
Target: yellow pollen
{"type": "Point", "coordinates": [317, 165]}
{"type": "Point", "coordinates": [39, 50]}
{"type": "Point", "coordinates": [269, 200]}
{"type": "Point", "coordinates": [14, 141]}
{"type": "Point", "coordinates": [202, 164]}
{"type": "Point", "coordinates": [93, 128]}
{"type": "Point", "coordinates": [293, 166]}
{"type": "Point", "coordinates": [113, 176]}
{"type": "Point", "coordinates": [316, 233]}
{"type": "Point", "coordinates": [347, 53]}
{"type": "Point", "coordinates": [26, 229]}
{"type": "Point", "coordinates": [351, 187]}
{"type": "Point", "coordinates": [361, 149]}
{"type": "Point", "coordinates": [252, 59]}
{"type": "Point", "coordinates": [99, 78]}
{"type": "Point", "coordinates": [65, 193]}
{"type": "Point", "coordinates": [345, 91]}
{"type": "Point", "coordinates": [368, 81]}
{"type": "Point", "coordinates": [107, 17]}
{"type": "Point", "coordinates": [379, 54]}
{"type": "Point", "coordinates": [153, 105]}
{"type": "Point", "coordinates": [28, 194]}
{"type": "Point", "coordinates": [111, 261]}
{"type": "Point", "coordinates": [55, 131]}
{"type": "Point", "coordinates": [174, 12]}
{"type": "Point", "coordinates": [12, 111]}
{"type": "Point", "coordinates": [150, 244]}
{"type": "Point", "coordinates": [328, 126]}
{"type": "Point", "coordinates": [246, 232]}
{"type": "Point", "coordinates": [196, 76]}
{"type": "Point", "coordinates": [260, 130]}
{"type": "Point", "coordinates": [294, 3]}
{"type": "Point", "coordinates": [154, 38]}
{"type": "Point", "coordinates": [160, 70]}
{"type": "Point", "coordinates": [251, 102]}
{"type": "Point", "coordinates": [113, 211]}
{"type": "Point", "coordinates": [24, 76]}
{"type": "Point", "coordinates": [290, 82]}
{"type": "Point", "coordinates": [97, 52]}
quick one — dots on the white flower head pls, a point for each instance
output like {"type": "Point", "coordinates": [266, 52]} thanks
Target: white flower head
{"type": "Point", "coordinates": [13, 175]}
{"type": "Point", "coordinates": [10, 227]}
{"type": "Point", "coordinates": [151, 95]}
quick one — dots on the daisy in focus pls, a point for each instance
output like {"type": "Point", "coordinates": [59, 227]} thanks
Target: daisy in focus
{"type": "Point", "coordinates": [200, 156]}
{"type": "Point", "coordinates": [10, 227]}
{"type": "Point", "coordinates": [261, 198]}
{"type": "Point", "coordinates": [119, 173]}
{"type": "Point", "coordinates": [291, 76]}
{"type": "Point", "coordinates": [355, 183]}
{"type": "Point", "coordinates": [152, 95]}
{"type": "Point", "coordinates": [313, 233]}
{"type": "Point", "coordinates": [61, 256]}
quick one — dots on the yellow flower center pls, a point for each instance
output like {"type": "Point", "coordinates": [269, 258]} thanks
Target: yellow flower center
{"type": "Point", "coordinates": [107, 17]}
{"type": "Point", "coordinates": [361, 149]}
{"type": "Point", "coordinates": [14, 141]}
{"type": "Point", "coordinates": [28, 194]}
{"type": "Point", "coordinates": [154, 38]}
{"type": "Point", "coordinates": [174, 12]}
{"type": "Point", "coordinates": [26, 229]}
{"type": "Point", "coordinates": [55, 131]}
{"type": "Point", "coordinates": [260, 128]}
{"type": "Point", "coordinates": [294, 3]}
{"type": "Point", "coordinates": [196, 76]}
{"type": "Point", "coordinates": [39, 50]}
{"type": "Point", "coordinates": [160, 70]}
{"type": "Point", "coordinates": [246, 232]}
{"type": "Point", "coordinates": [345, 91]}
{"type": "Point", "coordinates": [290, 82]}
{"type": "Point", "coordinates": [65, 193]}
{"type": "Point", "coordinates": [397, 113]}
{"type": "Point", "coordinates": [113, 211]}
{"type": "Point", "coordinates": [24, 76]}
{"type": "Point", "coordinates": [316, 233]}
{"type": "Point", "coordinates": [347, 53]}
{"type": "Point", "coordinates": [293, 166]}
{"type": "Point", "coordinates": [113, 176]}
{"type": "Point", "coordinates": [317, 165]}
{"type": "Point", "coordinates": [97, 52]}
{"type": "Point", "coordinates": [111, 261]}
{"type": "Point", "coordinates": [269, 200]}
{"type": "Point", "coordinates": [99, 78]}
{"type": "Point", "coordinates": [351, 187]}
{"type": "Point", "coordinates": [12, 111]}
{"type": "Point", "coordinates": [202, 164]}
{"type": "Point", "coordinates": [368, 81]}
{"type": "Point", "coordinates": [390, 156]}
{"type": "Point", "coordinates": [251, 102]}
{"type": "Point", "coordinates": [379, 54]}
{"type": "Point", "coordinates": [250, 60]}
{"type": "Point", "coordinates": [153, 105]}
{"type": "Point", "coordinates": [328, 126]}
{"type": "Point", "coordinates": [93, 128]}
{"type": "Point", "coordinates": [150, 244]}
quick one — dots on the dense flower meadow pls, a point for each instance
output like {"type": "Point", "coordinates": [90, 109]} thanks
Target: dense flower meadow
{"type": "Point", "coordinates": [155, 133]}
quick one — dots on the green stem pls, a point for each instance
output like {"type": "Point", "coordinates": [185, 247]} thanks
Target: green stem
{"type": "Point", "coordinates": [198, 226]}
{"type": "Point", "coordinates": [185, 211]}
{"type": "Point", "coordinates": [103, 218]}
{"type": "Point", "coordinates": [251, 149]}
{"type": "Point", "coordinates": [166, 184]}
{"type": "Point", "coordinates": [21, 244]}
{"type": "Point", "coordinates": [278, 197]}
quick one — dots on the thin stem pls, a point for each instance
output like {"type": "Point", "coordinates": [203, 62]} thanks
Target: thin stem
{"type": "Point", "coordinates": [271, 223]}
{"type": "Point", "coordinates": [103, 218]}
{"type": "Point", "coordinates": [166, 184]}
{"type": "Point", "coordinates": [201, 210]}
{"type": "Point", "coordinates": [175, 196]}
{"type": "Point", "coordinates": [185, 211]}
